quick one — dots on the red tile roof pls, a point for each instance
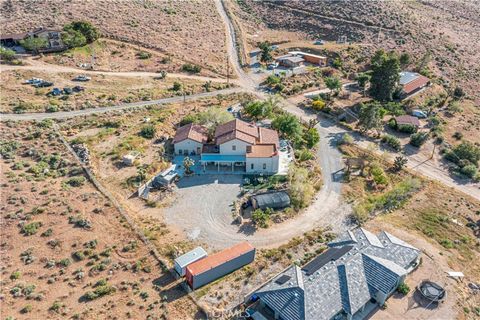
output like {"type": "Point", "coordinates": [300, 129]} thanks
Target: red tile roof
{"type": "Point", "coordinates": [415, 84]}
{"type": "Point", "coordinates": [268, 136]}
{"type": "Point", "coordinates": [219, 258]}
{"type": "Point", "coordinates": [261, 151]}
{"type": "Point", "coordinates": [191, 131]}
{"type": "Point", "coordinates": [236, 129]}
{"type": "Point", "coordinates": [407, 120]}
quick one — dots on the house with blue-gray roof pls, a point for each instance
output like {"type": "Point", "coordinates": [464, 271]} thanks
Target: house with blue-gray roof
{"type": "Point", "coordinates": [356, 274]}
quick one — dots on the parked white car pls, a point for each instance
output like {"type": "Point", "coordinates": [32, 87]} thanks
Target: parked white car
{"type": "Point", "coordinates": [82, 78]}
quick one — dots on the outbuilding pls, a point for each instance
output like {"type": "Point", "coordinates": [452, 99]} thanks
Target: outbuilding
{"type": "Point", "coordinates": [181, 263]}
{"type": "Point", "coordinates": [407, 120]}
{"type": "Point", "coordinates": [272, 200]}
{"type": "Point", "coordinates": [219, 264]}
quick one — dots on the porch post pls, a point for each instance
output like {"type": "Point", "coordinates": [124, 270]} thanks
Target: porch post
{"type": "Point", "coordinates": [218, 166]}
{"type": "Point", "coordinates": [232, 166]}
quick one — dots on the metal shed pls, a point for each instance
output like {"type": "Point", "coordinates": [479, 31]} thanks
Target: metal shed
{"type": "Point", "coordinates": [273, 200]}
{"type": "Point", "coordinates": [219, 264]}
{"type": "Point", "coordinates": [181, 263]}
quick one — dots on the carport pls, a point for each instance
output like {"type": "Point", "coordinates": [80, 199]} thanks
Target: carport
{"type": "Point", "coordinates": [219, 160]}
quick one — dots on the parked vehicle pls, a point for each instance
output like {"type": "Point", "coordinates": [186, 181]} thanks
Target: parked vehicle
{"type": "Point", "coordinates": [78, 88]}
{"type": "Point", "coordinates": [271, 66]}
{"type": "Point", "coordinates": [319, 42]}
{"type": "Point", "coordinates": [33, 81]}
{"type": "Point", "coordinates": [67, 90]}
{"type": "Point", "coordinates": [419, 114]}
{"type": "Point", "coordinates": [82, 78]}
{"type": "Point", "coordinates": [43, 84]}
{"type": "Point", "coordinates": [55, 92]}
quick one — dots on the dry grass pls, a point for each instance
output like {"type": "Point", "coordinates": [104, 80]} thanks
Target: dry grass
{"type": "Point", "coordinates": [190, 31]}
{"type": "Point", "coordinates": [60, 277]}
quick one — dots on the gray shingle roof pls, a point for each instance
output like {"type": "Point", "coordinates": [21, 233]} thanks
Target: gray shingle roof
{"type": "Point", "coordinates": [344, 284]}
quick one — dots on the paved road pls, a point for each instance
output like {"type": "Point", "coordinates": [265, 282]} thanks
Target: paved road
{"type": "Point", "coordinates": [84, 112]}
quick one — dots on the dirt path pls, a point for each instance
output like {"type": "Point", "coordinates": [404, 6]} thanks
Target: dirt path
{"type": "Point", "coordinates": [38, 65]}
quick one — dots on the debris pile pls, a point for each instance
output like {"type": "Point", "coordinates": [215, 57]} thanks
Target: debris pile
{"type": "Point", "coordinates": [82, 152]}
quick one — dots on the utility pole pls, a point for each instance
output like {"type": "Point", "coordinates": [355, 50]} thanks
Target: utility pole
{"type": "Point", "coordinates": [183, 90]}
{"type": "Point", "coordinates": [228, 71]}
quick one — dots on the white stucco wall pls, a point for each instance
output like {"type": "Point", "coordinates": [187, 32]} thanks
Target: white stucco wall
{"type": "Point", "coordinates": [271, 165]}
{"type": "Point", "coordinates": [189, 145]}
{"type": "Point", "coordinates": [241, 147]}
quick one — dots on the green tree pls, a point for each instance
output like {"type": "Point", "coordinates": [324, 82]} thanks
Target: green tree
{"type": "Point", "coordinates": [141, 172]}
{"type": "Point", "coordinates": [419, 138]}
{"type": "Point", "coordinates": [188, 163]}
{"type": "Point", "coordinates": [362, 80]}
{"type": "Point", "coordinates": [177, 86]}
{"type": "Point", "coordinates": [34, 44]}
{"type": "Point", "coordinates": [311, 137]}
{"type": "Point", "coordinates": [385, 75]}
{"type": "Point", "coordinates": [289, 127]}
{"type": "Point", "coordinates": [273, 80]}
{"type": "Point", "coordinates": [73, 38]}
{"type": "Point", "coordinates": [370, 116]}
{"type": "Point", "coordinates": [258, 109]}
{"type": "Point", "coordinates": [404, 59]}
{"type": "Point", "coordinates": [7, 54]}
{"type": "Point", "coordinates": [378, 175]}
{"type": "Point", "coordinates": [266, 54]}
{"type": "Point", "coordinates": [334, 84]}
{"type": "Point", "coordinates": [89, 31]}
{"type": "Point", "coordinates": [465, 153]}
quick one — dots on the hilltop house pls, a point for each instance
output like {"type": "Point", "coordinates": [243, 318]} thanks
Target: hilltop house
{"type": "Point", "coordinates": [53, 37]}
{"type": "Point", "coordinates": [237, 145]}
{"type": "Point", "coordinates": [412, 82]}
{"type": "Point", "coordinates": [356, 274]}
{"type": "Point", "coordinates": [296, 59]}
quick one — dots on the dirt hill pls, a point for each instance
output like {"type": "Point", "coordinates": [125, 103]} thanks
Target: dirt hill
{"type": "Point", "coordinates": [188, 30]}
{"type": "Point", "coordinates": [442, 34]}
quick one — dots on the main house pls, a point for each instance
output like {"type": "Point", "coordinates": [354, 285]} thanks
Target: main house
{"type": "Point", "coordinates": [236, 146]}
{"type": "Point", "coordinates": [412, 82]}
{"type": "Point", "coordinates": [357, 273]}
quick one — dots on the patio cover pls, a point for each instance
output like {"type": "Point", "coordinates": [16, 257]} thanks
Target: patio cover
{"type": "Point", "coordinates": [222, 158]}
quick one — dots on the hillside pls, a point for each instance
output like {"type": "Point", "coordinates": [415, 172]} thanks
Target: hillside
{"type": "Point", "coordinates": [442, 35]}
{"type": "Point", "coordinates": [187, 30]}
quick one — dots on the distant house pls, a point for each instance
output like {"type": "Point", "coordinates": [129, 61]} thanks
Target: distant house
{"type": "Point", "coordinates": [219, 264]}
{"type": "Point", "coordinates": [311, 58]}
{"type": "Point", "coordinates": [11, 39]}
{"type": "Point", "coordinates": [412, 82]}
{"type": "Point", "coordinates": [53, 37]}
{"type": "Point", "coordinates": [189, 139]}
{"type": "Point", "coordinates": [290, 61]}
{"type": "Point", "coordinates": [358, 272]}
{"type": "Point", "coordinates": [407, 120]}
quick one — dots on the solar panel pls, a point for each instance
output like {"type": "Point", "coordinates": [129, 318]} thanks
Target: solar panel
{"type": "Point", "coordinates": [331, 254]}
{"type": "Point", "coordinates": [284, 278]}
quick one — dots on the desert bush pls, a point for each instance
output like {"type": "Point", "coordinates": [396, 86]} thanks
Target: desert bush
{"type": "Point", "coordinates": [143, 55]}
{"type": "Point", "coordinates": [260, 218]}
{"type": "Point", "coordinates": [403, 288]}
{"type": "Point", "coordinates": [318, 105]}
{"type": "Point", "coordinates": [31, 228]}
{"type": "Point", "coordinates": [392, 142]}
{"type": "Point", "coordinates": [470, 170]}
{"type": "Point", "coordinates": [463, 154]}
{"type": "Point", "coordinates": [191, 68]}
{"type": "Point", "coordinates": [148, 132]}
{"type": "Point", "coordinates": [131, 246]}
{"type": "Point", "coordinates": [301, 189]}
{"type": "Point", "coordinates": [15, 275]}
{"type": "Point", "coordinates": [7, 54]}
{"type": "Point", "coordinates": [303, 155]}
{"type": "Point", "coordinates": [76, 181]}
{"type": "Point", "coordinates": [407, 128]}
{"type": "Point", "coordinates": [311, 137]}
{"type": "Point", "coordinates": [419, 138]}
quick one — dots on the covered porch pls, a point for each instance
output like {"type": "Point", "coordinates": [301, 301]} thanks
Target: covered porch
{"type": "Point", "coordinates": [223, 163]}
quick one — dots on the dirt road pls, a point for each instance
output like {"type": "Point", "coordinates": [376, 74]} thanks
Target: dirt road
{"type": "Point", "coordinates": [38, 65]}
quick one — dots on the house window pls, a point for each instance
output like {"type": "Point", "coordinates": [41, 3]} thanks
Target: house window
{"type": "Point", "coordinates": [234, 147]}
{"type": "Point", "coordinates": [179, 151]}
{"type": "Point", "coordinates": [264, 166]}
{"type": "Point", "coordinates": [251, 166]}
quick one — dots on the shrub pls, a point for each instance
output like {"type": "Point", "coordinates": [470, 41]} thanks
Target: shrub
{"type": "Point", "coordinates": [403, 288]}
{"type": "Point", "coordinates": [177, 86]}
{"type": "Point", "coordinates": [446, 243]}
{"type": "Point", "coordinates": [419, 138]}
{"type": "Point", "coordinates": [191, 68]}
{"type": "Point", "coordinates": [15, 275]}
{"type": "Point", "coordinates": [407, 128]}
{"type": "Point", "coordinates": [89, 31]}
{"type": "Point", "coordinates": [100, 291]}
{"type": "Point", "coordinates": [301, 190]}
{"type": "Point", "coordinates": [378, 175]}
{"type": "Point", "coordinates": [303, 155]}
{"type": "Point", "coordinates": [56, 306]}
{"type": "Point", "coordinates": [273, 80]}
{"type": "Point", "coordinates": [470, 170]}
{"type": "Point", "coordinates": [144, 55]}
{"type": "Point", "coordinates": [318, 105]}
{"type": "Point", "coordinates": [458, 135]}
{"type": "Point", "coordinates": [51, 108]}
{"type": "Point", "coordinates": [464, 151]}
{"type": "Point", "coordinates": [392, 141]}
{"type": "Point", "coordinates": [31, 228]}
{"type": "Point", "coordinates": [260, 218]}
{"type": "Point", "coordinates": [148, 132]}
{"type": "Point", "coordinates": [65, 262]}
{"type": "Point", "coordinates": [76, 181]}
{"type": "Point", "coordinates": [346, 139]}
{"type": "Point", "coordinates": [311, 137]}
{"type": "Point", "coordinates": [7, 54]}
{"type": "Point", "coordinates": [28, 308]}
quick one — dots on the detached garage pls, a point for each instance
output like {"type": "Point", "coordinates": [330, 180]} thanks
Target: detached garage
{"type": "Point", "coordinates": [273, 200]}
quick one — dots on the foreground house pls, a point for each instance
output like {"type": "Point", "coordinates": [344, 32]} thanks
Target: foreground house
{"type": "Point", "coordinates": [237, 146]}
{"type": "Point", "coordinates": [52, 36]}
{"type": "Point", "coordinates": [356, 274]}
{"type": "Point", "coordinates": [296, 59]}
{"type": "Point", "coordinates": [412, 82]}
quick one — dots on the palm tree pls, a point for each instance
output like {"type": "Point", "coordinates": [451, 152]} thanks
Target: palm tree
{"type": "Point", "coordinates": [188, 163]}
